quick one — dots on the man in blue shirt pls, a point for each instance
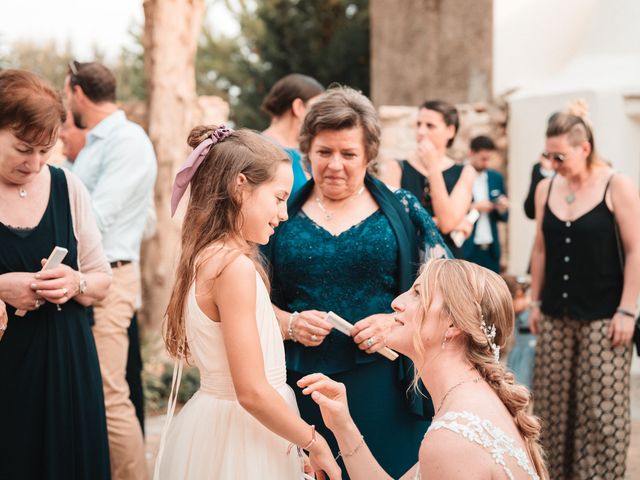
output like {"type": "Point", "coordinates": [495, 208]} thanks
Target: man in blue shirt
{"type": "Point", "coordinates": [490, 200]}
{"type": "Point", "coordinates": [118, 167]}
{"type": "Point", "coordinates": [73, 141]}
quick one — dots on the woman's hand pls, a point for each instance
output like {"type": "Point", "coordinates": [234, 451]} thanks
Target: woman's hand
{"type": "Point", "coordinates": [19, 292]}
{"type": "Point", "coordinates": [57, 285]}
{"type": "Point", "coordinates": [534, 319]}
{"type": "Point", "coordinates": [4, 319]}
{"type": "Point", "coordinates": [322, 460]}
{"type": "Point", "coordinates": [331, 396]}
{"type": "Point", "coordinates": [427, 153]}
{"type": "Point", "coordinates": [371, 333]}
{"type": "Point", "coordinates": [621, 329]}
{"type": "Point", "coordinates": [310, 328]}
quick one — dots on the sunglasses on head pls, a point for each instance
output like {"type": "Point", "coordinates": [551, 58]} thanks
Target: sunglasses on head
{"type": "Point", "coordinates": [556, 157]}
{"type": "Point", "coordinates": [73, 67]}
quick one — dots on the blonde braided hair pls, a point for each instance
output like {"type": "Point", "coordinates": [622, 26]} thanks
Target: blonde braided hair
{"type": "Point", "coordinates": [470, 295]}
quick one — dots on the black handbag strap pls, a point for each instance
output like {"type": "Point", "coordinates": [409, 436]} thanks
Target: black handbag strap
{"type": "Point", "coordinates": [616, 227]}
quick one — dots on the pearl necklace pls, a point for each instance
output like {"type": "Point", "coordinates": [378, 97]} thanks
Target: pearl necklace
{"type": "Point", "coordinates": [22, 192]}
{"type": "Point", "coordinates": [328, 214]}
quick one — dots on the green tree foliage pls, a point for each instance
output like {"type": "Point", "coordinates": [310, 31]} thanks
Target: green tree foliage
{"type": "Point", "coordinates": [52, 62]}
{"type": "Point", "coordinates": [327, 39]}
{"type": "Point", "coordinates": [46, 59]}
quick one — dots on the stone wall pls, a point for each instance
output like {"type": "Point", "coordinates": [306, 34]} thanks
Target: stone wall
{"type": "Point", "coordinates": [482, 118]}
{"type": "Point", "coordinates": [399, 133]}
{"type": "Point", "coordinates": [422, 49]}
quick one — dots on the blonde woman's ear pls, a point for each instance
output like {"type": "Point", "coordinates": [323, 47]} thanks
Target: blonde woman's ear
{"type": "Point", "coordinates": [453, 332]}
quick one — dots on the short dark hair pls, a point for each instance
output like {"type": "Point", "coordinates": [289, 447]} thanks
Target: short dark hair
{"type": "Point", "coordinates": [449, 114]}
{"type": "Point", "coordinates": [482, 142]}
{"type": "Point", "coordinates": [30, 107]}
{"type": "Point", "coordinates": [340, 108]}
{"type": "Point", "coordinates": [96, 81]}
{"type": "Point", "coordinates": [281, 96]}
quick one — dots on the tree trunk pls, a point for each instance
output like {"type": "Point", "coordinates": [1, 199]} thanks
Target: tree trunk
{"type": "Point", "coordinates": [170, 40]}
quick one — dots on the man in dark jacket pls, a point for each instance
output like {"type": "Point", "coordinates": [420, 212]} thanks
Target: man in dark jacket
{"type": "Point", "coordinates": [490, 200]}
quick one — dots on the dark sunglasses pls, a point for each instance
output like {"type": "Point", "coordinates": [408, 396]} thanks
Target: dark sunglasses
{"type": "Point", "coordinates": [555, 157]}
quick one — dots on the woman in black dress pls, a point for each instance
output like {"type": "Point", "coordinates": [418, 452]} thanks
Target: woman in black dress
{"type": "Point", "coordinates": [52, 419]}
{"type": "Point", "coordinates": [443, 186]}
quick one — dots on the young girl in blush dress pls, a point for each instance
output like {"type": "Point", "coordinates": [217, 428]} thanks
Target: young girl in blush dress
{"type": "Point", "coordinates": [243, 422]}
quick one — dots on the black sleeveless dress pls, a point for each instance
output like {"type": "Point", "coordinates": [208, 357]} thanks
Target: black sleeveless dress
{"type": "Point", "coordinates": [52, 418]}
{"type": "Point", "coordinates": [415, 182]}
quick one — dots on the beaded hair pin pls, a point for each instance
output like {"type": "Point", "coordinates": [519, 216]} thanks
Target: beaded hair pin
{"type": "Point", "coordinates": [490, 333]}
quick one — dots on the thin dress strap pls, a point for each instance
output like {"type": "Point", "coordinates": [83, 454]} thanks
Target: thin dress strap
{"type": "Point", "coordinates": [606, 189]}
{"type": "Point", "coordinates": [171, 408]}
{"type": "Point", "coordinates": [546, 203]}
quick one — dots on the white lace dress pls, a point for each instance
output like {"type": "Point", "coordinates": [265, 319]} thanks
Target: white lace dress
{"type": "Point", "coordinates": [213, 437]}
{"type": "Point", "coordinates": [498, 444]}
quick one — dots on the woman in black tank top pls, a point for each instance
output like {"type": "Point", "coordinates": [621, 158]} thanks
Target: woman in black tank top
{"type": "Point", "coordinates": [584, 305]}
{"type": "Point", "coordinates": [443, 187]}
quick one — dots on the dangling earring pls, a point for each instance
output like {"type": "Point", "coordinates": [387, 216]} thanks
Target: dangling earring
{"type": "Point", "coordinates": [444, 342]}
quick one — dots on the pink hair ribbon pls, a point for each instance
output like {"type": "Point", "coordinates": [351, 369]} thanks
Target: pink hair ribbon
{"type": "Point", "coordinates": [193, 161]}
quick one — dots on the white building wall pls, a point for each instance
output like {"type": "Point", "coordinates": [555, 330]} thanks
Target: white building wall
{"type": "Point", "coordinates": [602, 65]}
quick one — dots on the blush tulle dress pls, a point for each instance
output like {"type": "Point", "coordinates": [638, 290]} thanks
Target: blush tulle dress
{"type": "Point", "coordinates": [213, 436]}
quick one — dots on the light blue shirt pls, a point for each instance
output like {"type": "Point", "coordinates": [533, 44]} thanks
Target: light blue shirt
{"type": "Point", "coordinates": [118, 167]}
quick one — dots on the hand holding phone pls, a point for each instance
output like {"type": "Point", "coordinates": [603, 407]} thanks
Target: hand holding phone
{"type": "Point", "coordinates": [54, 260]}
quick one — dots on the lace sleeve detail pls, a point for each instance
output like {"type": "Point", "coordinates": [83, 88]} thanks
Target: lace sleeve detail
{"type": "Point", "coordinates": [430, 241]}
{"type": "Point", "coordinates": [487, 435]}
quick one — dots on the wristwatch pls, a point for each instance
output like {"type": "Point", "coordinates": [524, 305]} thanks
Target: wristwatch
{"type": "Point", "coordinates": [83, 285]}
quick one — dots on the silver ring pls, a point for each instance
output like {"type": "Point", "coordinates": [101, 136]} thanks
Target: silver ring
{"type": "Point", "coordinates": [64, 291]}
{"type": "Point", "coordinates": [314, 338]}
{"type": "Point", "coordinates": [371, 341]}
{"type": "Point", "coordinates": [37, 303]}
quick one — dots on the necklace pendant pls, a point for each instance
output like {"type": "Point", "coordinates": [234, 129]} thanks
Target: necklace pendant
{"type": "Point", "coordinates": [22, 193]}
{"type": "Point", "coordinates": [570, 198]}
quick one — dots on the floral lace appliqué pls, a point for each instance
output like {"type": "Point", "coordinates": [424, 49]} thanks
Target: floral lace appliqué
{"type": "Point", "coordinates": [431, 243]}
{"type": "Point", "coordinates": [487, 435]}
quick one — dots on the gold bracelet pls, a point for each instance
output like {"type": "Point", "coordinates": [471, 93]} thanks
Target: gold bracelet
{"type": "Point", "coordinates": [352, 452]}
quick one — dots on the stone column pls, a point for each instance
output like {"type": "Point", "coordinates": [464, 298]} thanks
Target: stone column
{"type": "Point", "coordinates": [426, 49]}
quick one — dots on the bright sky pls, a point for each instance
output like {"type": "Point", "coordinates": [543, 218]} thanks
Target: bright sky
{"type": "Point", "coordinates": [86, 22]}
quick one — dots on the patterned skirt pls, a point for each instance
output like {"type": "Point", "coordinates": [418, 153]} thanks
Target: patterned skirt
{"type": "Point", "coordinates": [581, 394]}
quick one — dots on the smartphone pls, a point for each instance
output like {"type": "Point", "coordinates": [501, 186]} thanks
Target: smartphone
{"type": "Point", "coordinates": [54, 260]}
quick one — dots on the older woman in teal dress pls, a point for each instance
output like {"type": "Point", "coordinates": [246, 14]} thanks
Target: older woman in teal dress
{"type": "Point", "coordinates": [351, 245]}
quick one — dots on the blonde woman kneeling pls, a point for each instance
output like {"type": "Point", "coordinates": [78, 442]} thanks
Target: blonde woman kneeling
{"type": "Point", "coordinates": [451, 323]}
